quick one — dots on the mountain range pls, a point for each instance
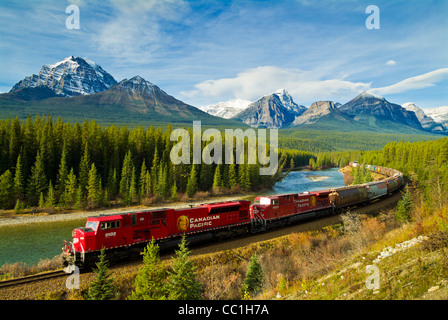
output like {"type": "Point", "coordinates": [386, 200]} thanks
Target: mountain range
{"type": "Point", "coordinates": [78, 89]}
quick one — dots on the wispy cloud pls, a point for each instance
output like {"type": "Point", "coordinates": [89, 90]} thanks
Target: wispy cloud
{"type": "Point", "coordinates": [304, 86]}
{"type": "Point", "coordinates": [419, 82]}
{"type": "Point", "coordinates": [133, 33]}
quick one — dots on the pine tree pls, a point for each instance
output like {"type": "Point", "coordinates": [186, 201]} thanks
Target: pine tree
{"type": "Point", "coordinates": [69, 195]}
{"type": "Point", "coordinates": [232, 176]}
{"type": "Point", "coordinates": [404, 206]}
{"type": "Point", "coordinates": [6, 190]}
{"type": "Point", "coordinates": [245, 177]}
{"type": "Point", "coordinates": [192, 186]}
{"type": "Point", "coordinates": [150, 280]}
{"type": "Point", "coordinates": [142, 181]}
{"type": "Point", "coordinates": [254, 279]}
{"type": "Point", "coordinates": [174, 192]}
{"type": "Point", "coordinates": [84, 167]}
{"type": "Point", "coordinates": [182, 283]}
{"type": "Point", "coordinates": [63, 172]}
{"type": "Point", "coordinates": [80, 201]}
{"type": "Point", "coordinates": [93, 188]}
{"type": "Point", "coordinates": [50, 200]}
{"type": "Point", "coordinates": [38, 181]}
{"type": "Point", "coordinates": [217, 179]}
{"type": "Point", "coordinates": [19, 187]}
{"type": "Point", "coordinates": [126, 178]}
{"type": "Point", "coordinates": [103, 286]}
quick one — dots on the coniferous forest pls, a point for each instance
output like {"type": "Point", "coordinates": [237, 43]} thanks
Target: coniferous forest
{"type": "Point", "coordinates": [46, 164]}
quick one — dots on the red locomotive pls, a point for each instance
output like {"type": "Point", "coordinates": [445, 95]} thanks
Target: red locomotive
{"type": "Point", "coordinates": [126, 234]}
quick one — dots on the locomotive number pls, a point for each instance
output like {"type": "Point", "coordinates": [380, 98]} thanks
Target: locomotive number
{"type": "Point", "coordinates": [111, 234]}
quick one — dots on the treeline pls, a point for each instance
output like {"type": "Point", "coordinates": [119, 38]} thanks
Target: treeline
{"type": "Point", "coordinates": [54, 163]}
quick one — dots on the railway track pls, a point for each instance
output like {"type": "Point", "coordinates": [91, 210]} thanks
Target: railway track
{"type": "Point", "coordinates": [32, 278]}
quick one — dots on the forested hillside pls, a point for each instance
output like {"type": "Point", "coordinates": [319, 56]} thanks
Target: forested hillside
{"type": "Point", "coordinates": [49, 163]}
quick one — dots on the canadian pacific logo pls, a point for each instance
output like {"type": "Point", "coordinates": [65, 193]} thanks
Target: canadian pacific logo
{"type": "Point", "coordinates": [182, 223]}
{"type": "Point", "coordinates": [313, 201]}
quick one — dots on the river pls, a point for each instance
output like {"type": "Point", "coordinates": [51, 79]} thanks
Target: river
{"type": "Point", "coordinates": [31, 243]}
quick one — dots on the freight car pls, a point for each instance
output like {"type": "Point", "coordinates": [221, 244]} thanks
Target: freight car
{"type": "Point", "coordinates": [124, 235]}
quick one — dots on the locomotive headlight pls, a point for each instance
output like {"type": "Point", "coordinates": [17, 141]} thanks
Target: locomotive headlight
{"type": "Point", "coordinates": [75, 240]}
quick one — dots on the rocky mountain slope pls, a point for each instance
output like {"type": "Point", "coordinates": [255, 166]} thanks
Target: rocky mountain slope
{"type": "Point", "coordinates": [371, 108]}
{"type": "Point", "coordinates": [274, 110]}
{"type": "Point", "coordinates": [427, 122]}
{"type": "Point", "coordinates": [318, 110]}
{"type": "Point", "coordinates": [70, 77]}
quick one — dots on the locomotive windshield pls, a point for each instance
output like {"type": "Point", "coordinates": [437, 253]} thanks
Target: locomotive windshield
{"type": "Point", "coordinates": [92, 224]}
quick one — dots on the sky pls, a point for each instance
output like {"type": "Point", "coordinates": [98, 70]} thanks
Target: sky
{"type": "Point", "coordinates": [208, 51]}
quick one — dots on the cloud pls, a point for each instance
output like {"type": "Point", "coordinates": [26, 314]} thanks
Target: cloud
{"type": "Point", "coordinates": [133, 31]}
{"type": "Point", "coordinates": [304, 86]}
{"type": "Point", "coordinates": [391, 63]}
{"type": "Point", "coordinates": [414, 83]}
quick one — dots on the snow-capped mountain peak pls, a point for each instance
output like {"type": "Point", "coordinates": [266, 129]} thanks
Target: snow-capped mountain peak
{"type": "Point", "coordinates": [72, 76]}
{"type": "Point", "coordinates": [226, 109]}
{"type": "Point", "coordinates": [440, 115]}
{"type": "Point", "coordinates": [370, 95]}
{"type": "Point", "coordinates": [288, 102]}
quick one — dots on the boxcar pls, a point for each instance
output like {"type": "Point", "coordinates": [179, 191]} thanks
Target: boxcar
{"type": "Point", "coordinates": [342, 197]}
{"type": "Point", "coordinates": [376, 189]}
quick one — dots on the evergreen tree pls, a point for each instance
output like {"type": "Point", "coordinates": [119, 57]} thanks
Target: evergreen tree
{"type": "Point", "coordinates": [142, 182]}
{"type": "Point", "coordinates": [182, 283]}
{"type": "Point", "coordinates": [254, 279]}
{"type": "Point", "coordinates": [217, 180]}
{"type": "Point", "coordinates": [19, 187]}
{"type": "Point", "coordinates": [245, 177]}
{"type": "Point", "coordinates": [103, 286]}
{"type": "Point", "coordinates": [6, 190]}
{"type": "Point", "coordinates": [174, 192]}
{"type": "Point", "coordinates": [404, 206]}
{"type": "Point", "coordinates": [93, 188]}
{"type": "Point", "coordinates": [69, 196]}
{"type": "Point", "coordinates": [84, 168]}
{"type": "Point", "coordinates": [233, 181]}
{"type": "Point", "coordinates": [50, 200]}
{"type": "Point", "coordinates": [112, 185]}
{"type": "Point", "coordinates": [150, 280]}
{"type": "Point", "coordinates": [192, 185]}
{"type": "Point", "coordinates": [126, 178]}
{"type": "Point", "coordinates": [38, 181]}
{"type": "Point", "coordinates": [63, 172]}
{"type": "Point", "coordinates": [80, 201]}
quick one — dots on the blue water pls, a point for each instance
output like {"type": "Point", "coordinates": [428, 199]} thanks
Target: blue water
{"type": "Point", "coordinates": [33, 242]}
{"type": "Point", "coordinates": [299, 181]}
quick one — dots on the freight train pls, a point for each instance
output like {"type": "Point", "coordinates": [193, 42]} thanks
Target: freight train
{"type": "Point", "coordinates": [126, 234]}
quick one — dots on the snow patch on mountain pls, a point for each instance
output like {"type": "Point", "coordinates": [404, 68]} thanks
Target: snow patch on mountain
{"type": "Point", "coordinates": [226, 109]}
{"type": "Point", "coordinates": [439, 115]}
